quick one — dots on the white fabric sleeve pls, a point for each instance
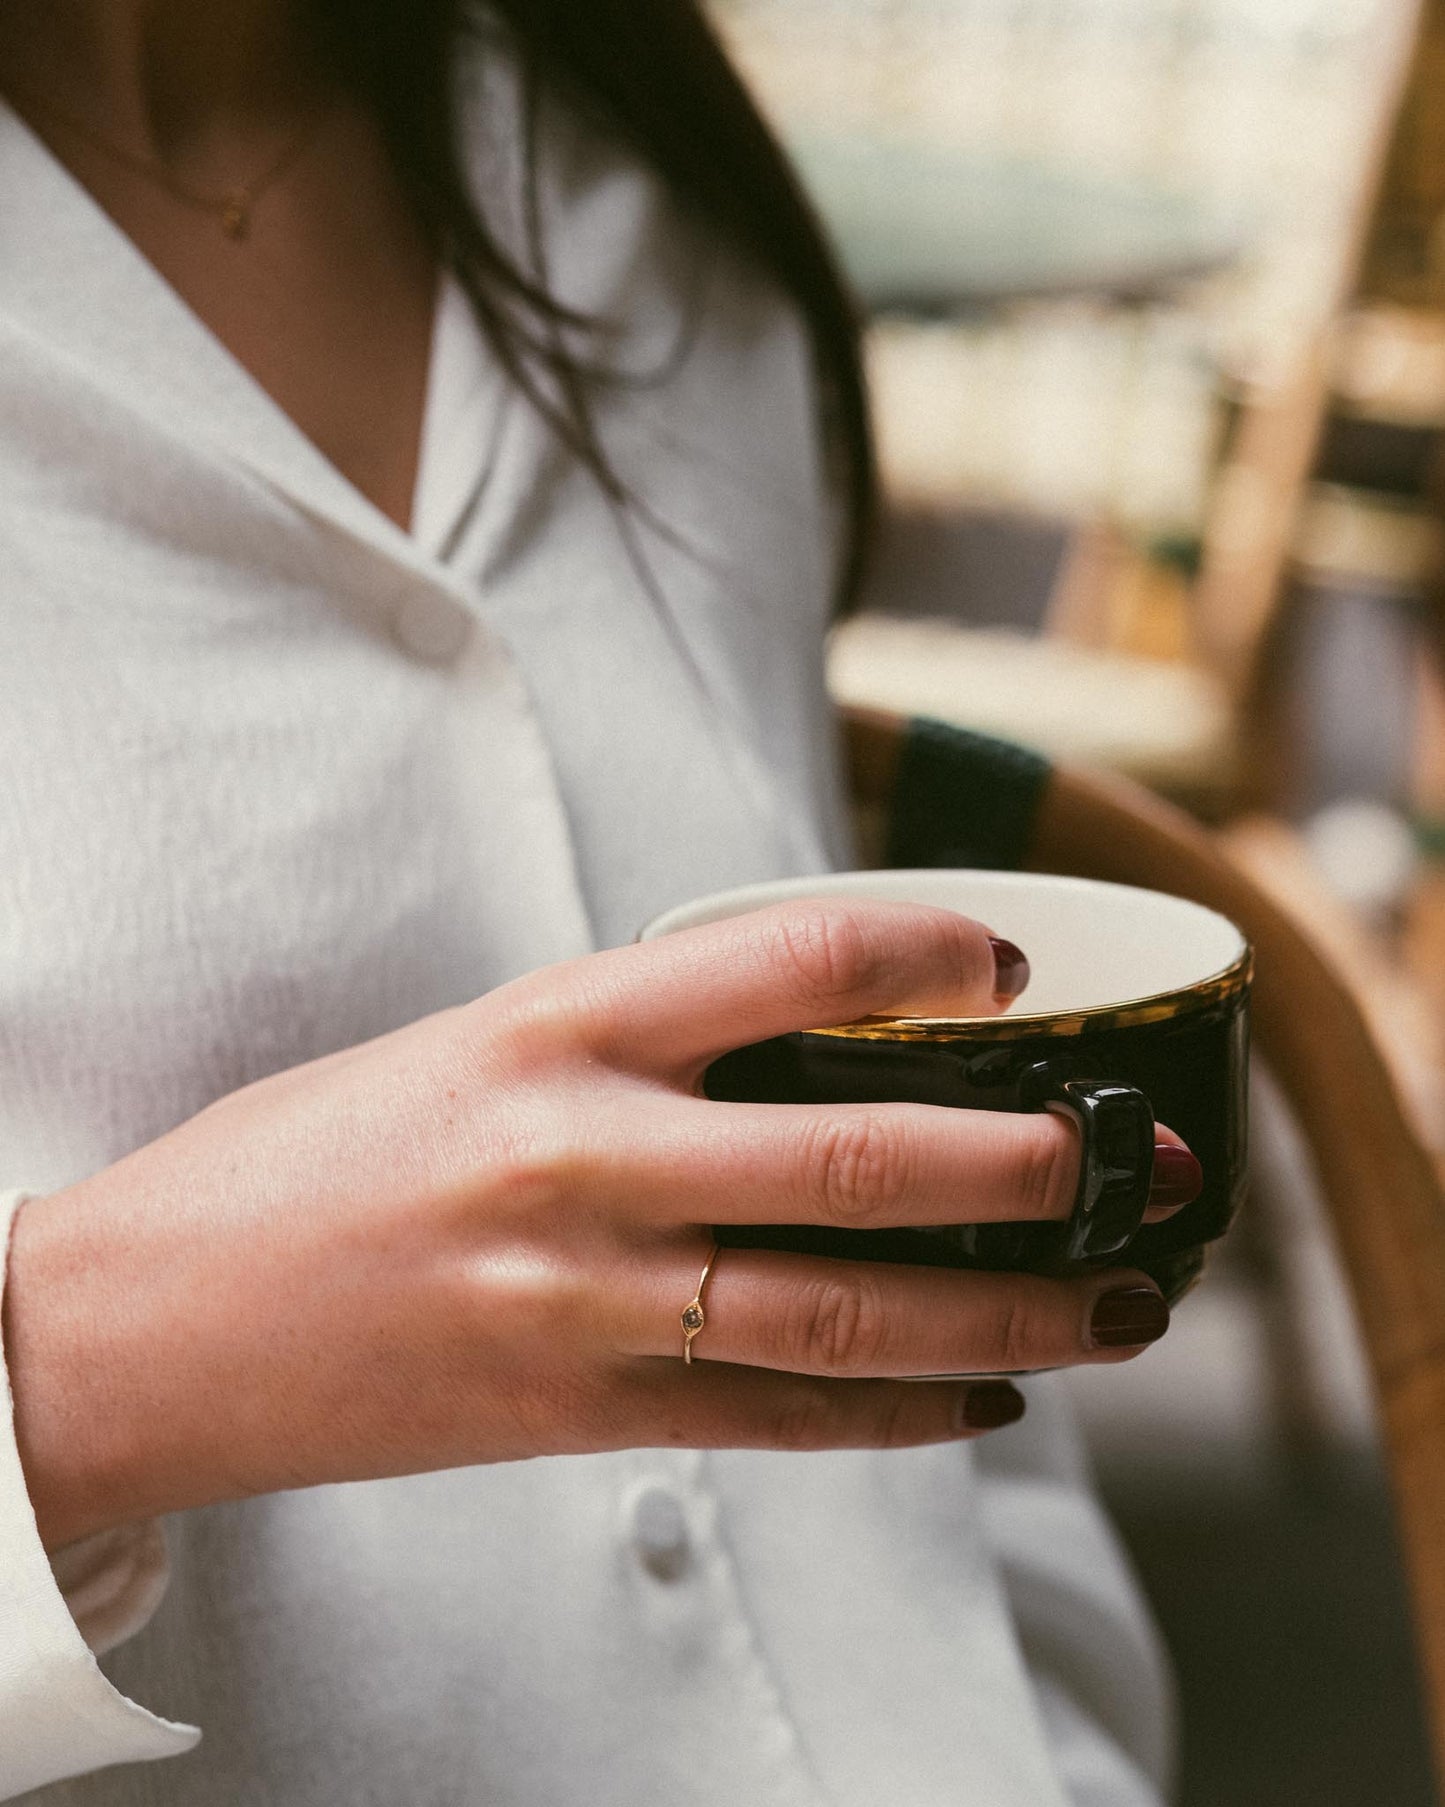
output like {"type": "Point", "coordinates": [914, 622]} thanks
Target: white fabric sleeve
{"type": "Point", "coordinates": [59, 1716]}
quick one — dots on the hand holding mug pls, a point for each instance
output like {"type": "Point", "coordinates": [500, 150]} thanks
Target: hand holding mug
{"type": "Point", "coordinates": [1137, 1006]}
{"type": "Point", "coordinates": [470, 1240]}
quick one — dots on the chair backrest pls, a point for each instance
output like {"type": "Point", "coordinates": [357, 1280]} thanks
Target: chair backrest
{"type": "Point", "coordinates": [1379, 1179]}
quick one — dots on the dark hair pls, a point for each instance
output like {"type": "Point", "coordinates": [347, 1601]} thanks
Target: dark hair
{"type": "Point", "coordinates": [652, 75]}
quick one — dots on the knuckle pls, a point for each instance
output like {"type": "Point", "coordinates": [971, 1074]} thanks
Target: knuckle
{"type": "Point", "coordinates": [535, 1178]}
{"type": "Point", "coordinates": [1015, 1341]}
{"type": "Point", "coordinates": [893, 1422]}
{"type": "Point", "coordinates": [528, 1025]}
{"type": "Point", "coordinates": [539, 1166]}
{"type": "Point", "coordinates": [815, 1417]}
{"type": "Point", "coordinates": [854, 1163]}
{"type": "Point", "coordinates": [571, 1012]}
{"type": "Point", "coordinates": [841, 1326]}
{"type": "Point", "coordinates": [825, 951]}
{"type": "Point", "coordinates": [952, 953]}
{"type": "Point", "coordinates": [960, 945]}
{"type": "Point", "coordinates": [806, 1420]}
{"type": "Point", "coordinates": [1050, 1173]}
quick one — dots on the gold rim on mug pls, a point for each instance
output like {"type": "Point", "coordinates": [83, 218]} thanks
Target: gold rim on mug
{"type": "Point", "coordinates": [1160, 1007]}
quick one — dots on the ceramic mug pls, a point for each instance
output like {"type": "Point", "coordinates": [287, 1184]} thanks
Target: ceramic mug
{"type": "Point", "coordinates": [1137, 1009]}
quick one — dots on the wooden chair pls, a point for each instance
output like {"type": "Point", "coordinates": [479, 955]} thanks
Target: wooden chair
{"type": "Point", "coordinates": [1198, 725]}
{"type": "Point", "coordinates": [929, 795]}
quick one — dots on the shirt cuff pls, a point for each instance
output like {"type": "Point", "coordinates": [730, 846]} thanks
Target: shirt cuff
{"type": "Point", "coordinates": [59, 1716]}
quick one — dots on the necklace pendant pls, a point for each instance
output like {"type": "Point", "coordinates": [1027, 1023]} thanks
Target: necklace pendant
{"type": "Point", "coordinates": [236, 216]}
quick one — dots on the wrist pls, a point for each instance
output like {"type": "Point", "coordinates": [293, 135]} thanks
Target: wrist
{"type": "Point", "coordinates": [67, 1328]}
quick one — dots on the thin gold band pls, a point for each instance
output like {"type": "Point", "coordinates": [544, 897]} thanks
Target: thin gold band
{"type": "Point", "coordinates": [693, 1316]}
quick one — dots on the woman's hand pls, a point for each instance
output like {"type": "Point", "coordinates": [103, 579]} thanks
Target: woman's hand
{"type": "Point", "coordinates": [470, 1241]}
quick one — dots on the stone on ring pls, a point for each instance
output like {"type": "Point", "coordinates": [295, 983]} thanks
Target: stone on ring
{"type": "Point", "coordinates": [693, 1316]}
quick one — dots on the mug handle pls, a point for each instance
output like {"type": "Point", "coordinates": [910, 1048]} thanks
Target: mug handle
{"type": "Point", "coordinates": [1116, 1158]}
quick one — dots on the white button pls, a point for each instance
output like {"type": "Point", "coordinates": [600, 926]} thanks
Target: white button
{"type": "Point", "coordinates": [430, 627]}
{"type": "Point", "coordinates": [659, 1530]}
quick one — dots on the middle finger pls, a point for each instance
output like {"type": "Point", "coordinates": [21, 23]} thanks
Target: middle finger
{"type": "Point", "coordinates": [880, 1166]}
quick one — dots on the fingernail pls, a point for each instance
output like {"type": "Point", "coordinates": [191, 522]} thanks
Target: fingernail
{"type": "Point", "coordinates": [1010, 969]}
{"type": "Point", "coordinates": [1128, 1317]}
{"type": "Point", "coordinates": [1177, 1178]}
{"type": "Point", "coordinates": [988, 1406]}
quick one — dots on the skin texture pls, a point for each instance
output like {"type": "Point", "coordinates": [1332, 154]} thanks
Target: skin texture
{"type": "Point", "coordinates": [470, 1240]}
{"type": "Point", "coordinates": [329, 302]}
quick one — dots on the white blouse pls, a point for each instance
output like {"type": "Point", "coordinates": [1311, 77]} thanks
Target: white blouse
{"type": "Point", "coordinates": [279, 777]}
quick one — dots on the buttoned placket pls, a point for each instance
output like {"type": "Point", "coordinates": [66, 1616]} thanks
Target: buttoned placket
{"type": "Point", "coordinates": [669, 1525]}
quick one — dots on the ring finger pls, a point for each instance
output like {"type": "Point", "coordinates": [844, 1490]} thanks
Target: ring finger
{"type": "Point", "coordinates": [865, 1319]}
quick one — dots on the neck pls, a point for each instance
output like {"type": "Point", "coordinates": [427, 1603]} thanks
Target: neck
{"type": "Point", "coordinates": [161, 74]}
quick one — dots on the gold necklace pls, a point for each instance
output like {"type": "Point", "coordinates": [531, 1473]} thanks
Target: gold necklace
{"type": "Point", "coordinates": [233, 207]}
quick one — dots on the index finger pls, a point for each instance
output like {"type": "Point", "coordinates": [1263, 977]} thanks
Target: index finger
{"type": "Point", "coordinates": [813, 963]}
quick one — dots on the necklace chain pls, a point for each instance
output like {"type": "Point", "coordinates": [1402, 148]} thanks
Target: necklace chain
{"type": "Point", "coordinates": [233, 207]}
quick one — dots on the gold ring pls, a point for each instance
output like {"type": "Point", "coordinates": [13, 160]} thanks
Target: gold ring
{"type": "Point", "coordinates": [693, 1316]}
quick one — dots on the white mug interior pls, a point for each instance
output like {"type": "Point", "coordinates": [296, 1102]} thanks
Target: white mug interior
{"type": "Point", "coordinates": [1090, 945]}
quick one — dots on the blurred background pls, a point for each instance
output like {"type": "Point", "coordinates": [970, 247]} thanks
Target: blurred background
{"type": "Point", "coordinates": [1156, 293]}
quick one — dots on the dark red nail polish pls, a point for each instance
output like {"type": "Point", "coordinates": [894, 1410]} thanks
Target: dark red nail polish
{"type": "Point", "coordinates": [1128, 1317]}
{"type": "Point", "coordinates": [989, 1406]}
{"type": "Point", "coordinates": [1010, 968]}
{"type": "Point", "coordinates": [1177, 1179]}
